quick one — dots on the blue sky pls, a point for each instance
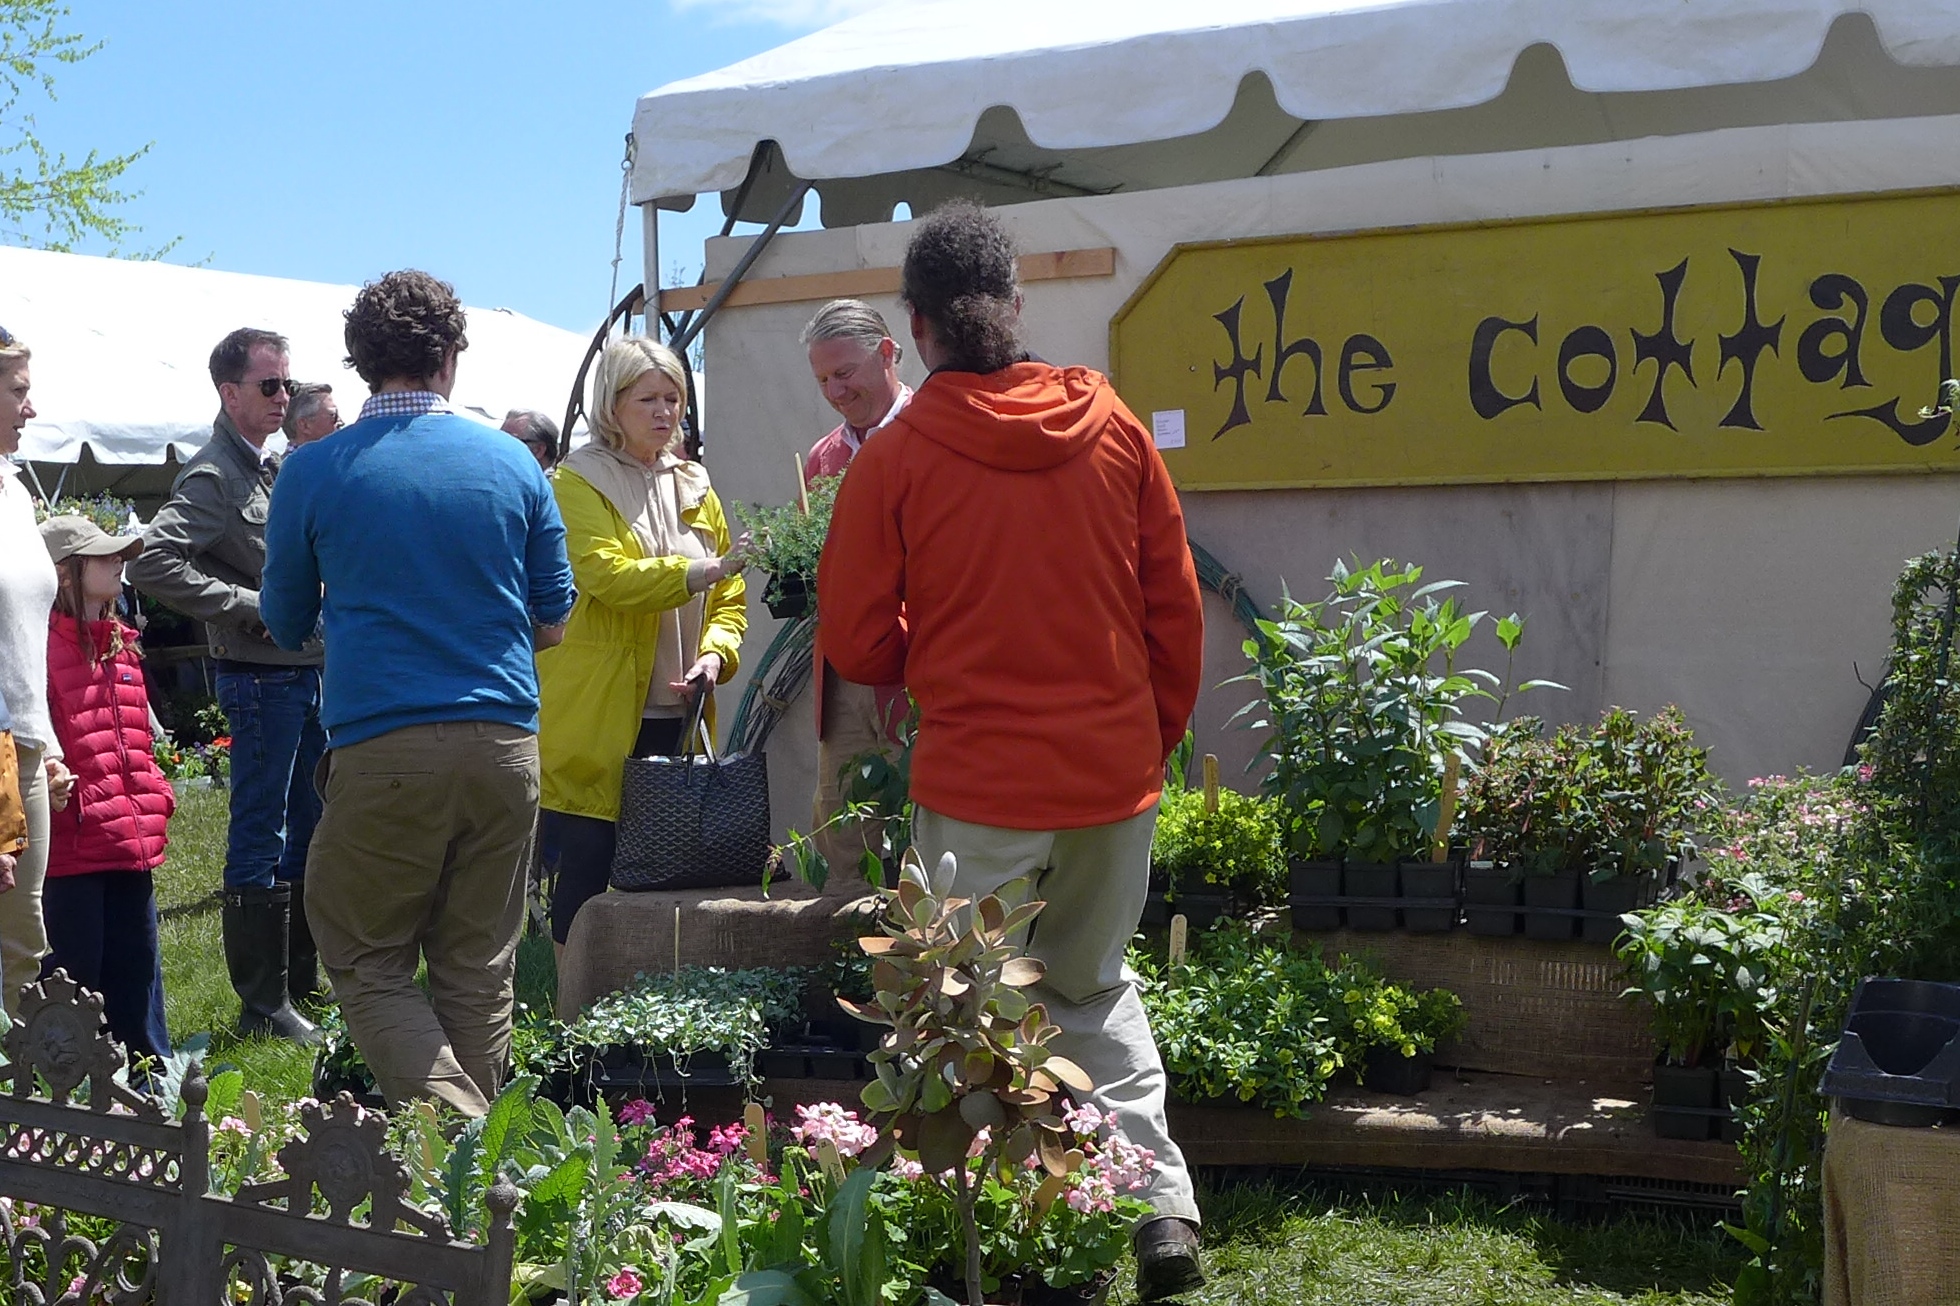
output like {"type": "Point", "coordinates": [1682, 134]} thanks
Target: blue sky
{"type": "Point", "coordinates": [335, 141]}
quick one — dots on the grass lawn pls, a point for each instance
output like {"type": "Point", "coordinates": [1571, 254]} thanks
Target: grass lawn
{"type": "Point", "coordinates": [1266, 1245]}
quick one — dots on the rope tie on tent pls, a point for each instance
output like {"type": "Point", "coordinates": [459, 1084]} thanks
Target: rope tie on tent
{"type": "Point", "coordinates": [619, 225]}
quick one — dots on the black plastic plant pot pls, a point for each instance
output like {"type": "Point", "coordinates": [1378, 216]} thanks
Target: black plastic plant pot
{"type": "Point", "coordinates": [1313, 880]}
{"type": "Point", "coordinates": [634, 1068]}
{"type": "Point", "coordinates": [783, 1063]}
{"type": "Point", "coordinates": [1618, 896]}
{"type": "Point", "coordinates": [1200, 910]}
{"type": "Point", "coordinates": [1546, 900]}
{"type": "Point", "coordinates": [1371, 880]}
{"type": "Point", "coordinates": [1156, 913]}
{"type": "Point", "coordinates": [1732, 1090]}
{"type": "Point", "coordinates": [788, 597]}
{"type": "Point", "coordinates": [1384, 1070]}
{"type": "Point", "coordinates": [1431, 880]}
{"type": "Point", "coordinates": [1898, 1060]}
{"type": "Point", "coordinates": [1684, 1102]}
{"type": "Point", "coordinates": [1487, 887]}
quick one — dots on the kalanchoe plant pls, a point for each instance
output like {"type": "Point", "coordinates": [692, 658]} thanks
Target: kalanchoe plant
{"type": "Point", "coordinates": [968, 1061]}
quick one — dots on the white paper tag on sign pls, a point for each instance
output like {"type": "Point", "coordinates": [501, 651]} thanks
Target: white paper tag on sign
{"type": "Point", "coordinates": [1168, 427]}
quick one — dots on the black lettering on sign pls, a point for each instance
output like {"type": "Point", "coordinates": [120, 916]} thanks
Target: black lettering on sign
{"type": "Point", "coordinates": [1240, 365]}
{"type": "Point", "coordinates": [1746, 346]}
{"type": "Point", "coordinates": [1664, 348]}
{"type": "Point", "coordinates": [1834, 290]}
{"type": "Point", "coordinates": [1904, 332]}
{"type": "Point", "coordinates": [1587, 342]}
{"type": "Point", "coordinates": [1276, 290]}
{"type": "Point", "coordinates": [1485, 397]}
{"type": "Point", "coordinates": [1376, 353]}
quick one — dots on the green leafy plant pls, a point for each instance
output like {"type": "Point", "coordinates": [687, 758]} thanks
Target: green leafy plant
{"type": "Point", "coordinates": [690, 1011]}
{"type": "Point", "coordinates": [1707, 971]}
{"type": "Point", "coordinates": [1515, 801]}
{"type": "Point", "coordinates": [968, 1063]}
{"type": "Point", "coordinates": [788, 539]}
{"type": "Point", "coordinates": [1237, 848]}
{"type": "Point", "coordinates": [1402, 1020]}
{"type": "Point", "coordinates": [1364, 700]}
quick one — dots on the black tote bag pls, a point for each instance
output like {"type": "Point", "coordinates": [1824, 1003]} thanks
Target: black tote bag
{"type": "Point", "coordinates": [692, 822]}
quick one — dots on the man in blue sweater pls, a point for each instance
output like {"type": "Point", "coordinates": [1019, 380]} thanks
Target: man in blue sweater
{"type": "Point", "coordinates": [431, 545]}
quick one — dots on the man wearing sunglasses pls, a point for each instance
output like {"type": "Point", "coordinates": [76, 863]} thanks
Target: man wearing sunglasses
{"type": "Point", "coordinates": [204, 555]}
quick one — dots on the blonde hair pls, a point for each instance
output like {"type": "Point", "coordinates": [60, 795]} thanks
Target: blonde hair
{"type": "Point", "coordinates": [12, 350]}
{"type": "Point", "coordinates": [623, 362]}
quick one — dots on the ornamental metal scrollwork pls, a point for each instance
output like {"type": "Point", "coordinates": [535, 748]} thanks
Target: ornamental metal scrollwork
{"type": "Point", "coordinates": [345, 1156]}
{"type": "Point", "coordinates": [61, 1037]}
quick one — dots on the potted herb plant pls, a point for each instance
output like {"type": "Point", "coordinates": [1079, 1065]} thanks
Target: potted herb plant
{"type": "Point", "coordinates": [1396, 1031]}
{"type": "Point", "coordinates": [788, 544]}
{"type": "Point", "coordinates": [1218, 853]}
{"type": "Point", "coordinates": [698, 1026]}
{"type": "Point", "coordinates": [1648, 785]}
{"type": "Point", "coordinates": [1364, 701]}
{"type": "Point", "coordinates": [1683, 956]}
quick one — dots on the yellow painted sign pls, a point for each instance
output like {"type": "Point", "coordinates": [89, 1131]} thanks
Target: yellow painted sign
{"type": "Point", "coordinates": [1767, 340]}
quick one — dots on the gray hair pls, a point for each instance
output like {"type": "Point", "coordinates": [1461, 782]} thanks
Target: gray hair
{"type": "Point", "coordinates": [307, 396]}
{"type": "Point", "coordinates": [532, 425]}
{"type": "Point", "coordinates": [850, 319]}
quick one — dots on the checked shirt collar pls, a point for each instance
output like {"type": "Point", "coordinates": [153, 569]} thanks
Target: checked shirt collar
{"type": "Point", "coordinates": [404, 403]}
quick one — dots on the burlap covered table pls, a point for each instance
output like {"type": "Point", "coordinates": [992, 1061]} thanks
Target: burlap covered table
{"type": "Point", "coordinates": [618, 935]}
{"type": "Point", "coordinates": [1891, 1236]}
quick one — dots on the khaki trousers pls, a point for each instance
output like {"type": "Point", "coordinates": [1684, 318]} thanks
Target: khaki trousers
{"type": "Point", "coordinates": [23, 933]}
{"type": "Point", "coordinates": [420, 855]}
{"type": "Point", "coordinates": [1094, 881]}
{"type": "Point", "coordinates": [852, 727]}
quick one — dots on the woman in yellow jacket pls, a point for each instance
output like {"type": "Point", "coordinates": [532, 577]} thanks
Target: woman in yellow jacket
{"type": "Point", "coordinates": [660, 611]}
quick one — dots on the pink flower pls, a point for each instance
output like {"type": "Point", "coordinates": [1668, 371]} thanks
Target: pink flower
{"type": "Point", "coordinates": [233, 1125]}
{"type": "Point", "coordinates": [1795, 896]}
{"type": "Point", "coordinates": [623, 1285]}
{"type": "Point", "coordinates": [830, 1121]}
{"type": "Point", "coordinates": [637, 1112]}
{"type": "Point", "coordinates": [726, 1139]}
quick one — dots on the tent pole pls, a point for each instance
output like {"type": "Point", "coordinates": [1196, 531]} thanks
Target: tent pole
{"type": "Point", "coordinates": [650, 254]}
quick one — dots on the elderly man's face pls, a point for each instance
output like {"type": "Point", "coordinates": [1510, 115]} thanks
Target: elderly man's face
{"type": "Point", "coordinates": [860, 382]}
{"type": "Point", "coordinates": [324, 421]}
{"type": "Point", "coordinates": [540, 449]}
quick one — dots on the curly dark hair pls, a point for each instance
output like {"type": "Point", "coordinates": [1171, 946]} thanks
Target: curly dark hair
{"type": "Point", "coordinates": [402, 326]}
{"type": "Point", "coordinates": [959, 275]}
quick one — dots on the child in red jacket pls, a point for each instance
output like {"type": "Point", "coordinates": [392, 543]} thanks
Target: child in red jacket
{"type": "Point", "coordinates": [99, 901]}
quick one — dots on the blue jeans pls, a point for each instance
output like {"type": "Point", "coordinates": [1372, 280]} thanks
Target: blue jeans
{"type": "Point", "coordinates": [276, 741]}
{"type": "Point", "coordinates": [102, 927]}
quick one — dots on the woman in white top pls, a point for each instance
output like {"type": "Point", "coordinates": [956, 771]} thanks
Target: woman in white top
{"type": "Point", "coordinates": [27, 590]}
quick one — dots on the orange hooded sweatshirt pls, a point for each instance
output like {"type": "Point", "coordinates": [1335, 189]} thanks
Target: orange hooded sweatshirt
{"type": "Point", "coordinates": [1011, 547]}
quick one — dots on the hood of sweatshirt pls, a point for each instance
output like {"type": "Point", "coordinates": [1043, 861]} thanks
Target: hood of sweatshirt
{"type": "Point", "coordinates": [1023, 418]}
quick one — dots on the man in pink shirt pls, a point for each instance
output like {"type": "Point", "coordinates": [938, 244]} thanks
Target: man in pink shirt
{"type": "Point", "coordinates": [855, 362]}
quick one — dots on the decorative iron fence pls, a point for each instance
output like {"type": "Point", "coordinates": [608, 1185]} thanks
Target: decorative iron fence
{"type": "Point", "coordinates": [122, 1211]}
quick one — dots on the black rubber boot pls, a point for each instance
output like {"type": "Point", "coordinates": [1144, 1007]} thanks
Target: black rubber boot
{"type": "Point", "coordinates": [1167, 1259]}
{"type": "Point", "coordinates": [302, 957]}
{"type": "Point", "coordinates": [256, 924]}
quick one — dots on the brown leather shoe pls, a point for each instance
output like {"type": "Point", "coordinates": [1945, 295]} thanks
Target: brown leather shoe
{"type": "Point", "coordinates": [1167, 1259]}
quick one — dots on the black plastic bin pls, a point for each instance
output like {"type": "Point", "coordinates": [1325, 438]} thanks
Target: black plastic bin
{"type": "Point", "coordinates": [1898, 1059]}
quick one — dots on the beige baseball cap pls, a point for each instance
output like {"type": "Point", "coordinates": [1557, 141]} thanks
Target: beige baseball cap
{"type": "Point", "coordinates": [78, 537]}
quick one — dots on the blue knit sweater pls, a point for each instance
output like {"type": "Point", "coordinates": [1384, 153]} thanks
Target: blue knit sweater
{"type": "Point", "coordinates": [431, 545]}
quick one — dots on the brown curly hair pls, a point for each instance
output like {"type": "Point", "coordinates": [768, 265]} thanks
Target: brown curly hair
{"type": "Point", "coordinates": [403, 326]}
{"type": "Point", "coordinates": [960, 276]}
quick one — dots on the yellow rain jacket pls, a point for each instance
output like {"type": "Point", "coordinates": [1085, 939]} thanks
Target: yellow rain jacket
{"type": "Point", "coordinates": [594, 683]}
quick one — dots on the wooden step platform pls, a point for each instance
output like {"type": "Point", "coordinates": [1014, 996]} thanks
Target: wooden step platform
{"type": "Point", "coordinates": [1468, 1121]}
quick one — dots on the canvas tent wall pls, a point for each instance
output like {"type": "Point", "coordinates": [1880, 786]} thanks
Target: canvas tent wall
{"type": "Point", "coordinates": [1756, 601]}
{"type": "Point", "coordinates": [121, 350]}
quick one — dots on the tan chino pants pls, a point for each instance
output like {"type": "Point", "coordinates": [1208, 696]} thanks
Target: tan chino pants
{"type": "Point", "coordinates": [420, 855]}
{"type": "Point", "coordinates": [23, 932]}
{"type": "Point", "coordinates": [1094, 881]}
{"type": "Point", "coordinates": [852, 726]}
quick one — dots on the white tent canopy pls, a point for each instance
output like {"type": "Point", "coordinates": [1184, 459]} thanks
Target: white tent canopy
{"type": "Point", "coordinates": [1095, 96]}
{"type": "Point", "coordinates": [121, 351]}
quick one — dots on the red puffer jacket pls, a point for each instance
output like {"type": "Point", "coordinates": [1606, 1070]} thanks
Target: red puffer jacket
{"type": "Point", "coordinates": [120, 810]}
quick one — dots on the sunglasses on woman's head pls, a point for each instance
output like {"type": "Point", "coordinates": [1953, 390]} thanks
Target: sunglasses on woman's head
{"type": "Point", "coordinates": [272, 385]}
{"type": "Point", "coordinates": [8, 339]}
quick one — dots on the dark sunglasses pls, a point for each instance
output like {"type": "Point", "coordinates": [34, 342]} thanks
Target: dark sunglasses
{"type": "Point", "coordinates": [272, 385]}
{"type": "Point", "coordinates": [8, 339]}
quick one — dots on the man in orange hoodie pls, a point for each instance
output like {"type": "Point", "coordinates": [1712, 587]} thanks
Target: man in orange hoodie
{"type": "Point", "coordinates": [1010, 546]}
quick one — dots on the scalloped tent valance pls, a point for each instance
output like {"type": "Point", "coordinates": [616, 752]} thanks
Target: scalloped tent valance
{"type": "Point", "coordinates": [1020, 99]}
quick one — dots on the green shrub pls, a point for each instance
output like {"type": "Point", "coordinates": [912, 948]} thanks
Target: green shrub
{"type": "Point", "coordinates": [1236, 848]}
{"type": "Point", "coordinates": [788, 540]}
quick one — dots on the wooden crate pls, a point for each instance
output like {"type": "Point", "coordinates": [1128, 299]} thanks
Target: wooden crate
{"type": "Point", "coordinates": [1531, 1007]}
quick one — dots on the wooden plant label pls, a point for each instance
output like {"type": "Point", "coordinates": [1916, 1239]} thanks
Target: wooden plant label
{"type": "Point", "coordinates": [1211, 783]}
{"type": "Point", "coordinates": [758, 1139]}
{"type": "Point", "coordinates": [1180, 933]}
{"type": "Point", "coordinates": [1446, 810]}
